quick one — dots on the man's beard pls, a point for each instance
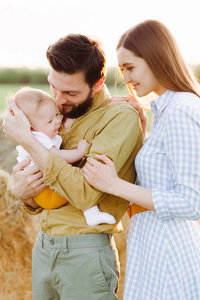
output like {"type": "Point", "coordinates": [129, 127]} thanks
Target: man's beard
{"type": "Point", "coordinates": [78, 111]}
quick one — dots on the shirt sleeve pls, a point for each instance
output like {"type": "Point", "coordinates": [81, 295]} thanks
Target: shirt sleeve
{"type": "Point", "coordinates": [182, 146]}
{"type": "Point", "coordinates": [116, 138]}
{"type": "Point", "coordinates": [32, 211]}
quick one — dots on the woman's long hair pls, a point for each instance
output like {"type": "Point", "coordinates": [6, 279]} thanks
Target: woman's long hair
{"type": "Point", "coordinates": [152, 41]}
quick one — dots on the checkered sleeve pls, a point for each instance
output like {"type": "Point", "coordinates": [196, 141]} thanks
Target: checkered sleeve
{"type": "Point", "coordinates": [182, 146]}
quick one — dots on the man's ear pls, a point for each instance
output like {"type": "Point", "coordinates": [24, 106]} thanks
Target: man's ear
{"type": "Point", "coordinates": [98, 85]}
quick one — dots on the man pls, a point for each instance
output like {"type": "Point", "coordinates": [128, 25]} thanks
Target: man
{"type": "Point", "coordinates": [72, 260]}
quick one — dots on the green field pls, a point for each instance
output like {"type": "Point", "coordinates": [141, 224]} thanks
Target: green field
{"type": "Point", "coordinates": [9, 89]}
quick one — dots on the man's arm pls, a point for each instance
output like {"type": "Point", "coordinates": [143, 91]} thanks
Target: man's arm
{"type": "Point", "coordinates": [119, 137]}
{"type": "Point", "coordinates": [17, 129]}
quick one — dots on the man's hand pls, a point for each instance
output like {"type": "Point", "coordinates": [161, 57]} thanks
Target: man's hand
{"type": "Point", "coordinates": [27, 182]}
{"type": "Point", "coordinates": [16, 126]}
{"type": "Point", "coordinates": [18, 129]}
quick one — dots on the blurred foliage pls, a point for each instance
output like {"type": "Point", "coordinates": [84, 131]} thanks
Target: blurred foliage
{"type": "Point", "coordinates": [23, 75]}
{"type": "Point", "coordinates": [113, 76]}
{"type": "Point", "coordinates": [39, 76]}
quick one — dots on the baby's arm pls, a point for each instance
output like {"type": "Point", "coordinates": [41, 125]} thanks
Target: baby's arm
{"type": "Point", "coordinates": [74, 155]}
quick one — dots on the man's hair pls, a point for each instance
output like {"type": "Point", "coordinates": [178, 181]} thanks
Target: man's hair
{"type": "Point", "coordinates": [78, 53]}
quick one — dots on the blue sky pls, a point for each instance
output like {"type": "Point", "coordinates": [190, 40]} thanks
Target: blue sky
{"type": "Point", "coordinates": [27, 28]}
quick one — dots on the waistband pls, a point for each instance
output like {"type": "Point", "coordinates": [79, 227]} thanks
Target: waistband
{"type": "Point", "coordinates": [75, 241]}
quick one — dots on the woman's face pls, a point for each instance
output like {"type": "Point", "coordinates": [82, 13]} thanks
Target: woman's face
{"type": "Point", "coordinates": [137, 72]}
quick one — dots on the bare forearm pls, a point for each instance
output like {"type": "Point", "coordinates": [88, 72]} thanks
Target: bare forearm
{"type": "Point", "coordinates": [133, 193]}
{"type": "Point", "coordinates": [37, 152]}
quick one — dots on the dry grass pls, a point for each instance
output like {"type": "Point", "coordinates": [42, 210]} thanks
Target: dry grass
{"type": "Point", "coordinates": [17, 237]}
{"type": "Point", "coordinates": [18, 232]}
{"type": "Point", "coordinates": [8, 152]}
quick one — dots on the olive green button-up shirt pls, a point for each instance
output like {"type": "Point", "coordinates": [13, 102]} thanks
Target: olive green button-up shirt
{"type": "Point", "coordinates": [111, 130]}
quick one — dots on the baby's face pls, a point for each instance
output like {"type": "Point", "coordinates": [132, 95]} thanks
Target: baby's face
{"type": "Point", "coordinates": [48, 119]}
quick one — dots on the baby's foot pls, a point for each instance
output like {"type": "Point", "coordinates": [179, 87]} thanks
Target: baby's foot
{"type": "Point", "coordinates": [96, 217]}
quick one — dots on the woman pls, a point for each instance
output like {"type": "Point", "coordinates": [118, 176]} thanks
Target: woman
{"type": "Point", "coordinates": [163, 242]}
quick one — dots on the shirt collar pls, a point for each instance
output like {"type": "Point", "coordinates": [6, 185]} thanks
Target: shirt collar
{"type": "Point", "coordinates": [100, 99]}
{"type": "Point", "coordinates": [160, 103]}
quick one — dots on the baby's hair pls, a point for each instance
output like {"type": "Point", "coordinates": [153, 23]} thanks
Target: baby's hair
{"type": "Point", "coordinates": [30, 94]}
{"type": "Point", "coordinates": [29, 100]}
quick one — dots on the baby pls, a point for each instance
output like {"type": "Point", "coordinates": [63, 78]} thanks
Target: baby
{"type": "Point", "coordinates": [45, 121]}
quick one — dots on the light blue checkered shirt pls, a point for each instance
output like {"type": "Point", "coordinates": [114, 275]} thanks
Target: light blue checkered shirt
{"type": "Point", "coordinates": [163, 258]}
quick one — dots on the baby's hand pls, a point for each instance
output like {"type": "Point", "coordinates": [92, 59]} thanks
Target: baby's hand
{"type": "Point", "coordinates": [82, 145]}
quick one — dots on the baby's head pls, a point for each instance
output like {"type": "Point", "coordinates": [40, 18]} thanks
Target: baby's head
{"type": "Point", "coordinates": [40, 109]}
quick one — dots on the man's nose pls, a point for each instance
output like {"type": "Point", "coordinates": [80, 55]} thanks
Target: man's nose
{"type": "Point", "coordinates": [60, 98]}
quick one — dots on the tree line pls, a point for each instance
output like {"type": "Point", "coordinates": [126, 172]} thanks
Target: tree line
{"type": "Point", "coordinates": [39, 76]}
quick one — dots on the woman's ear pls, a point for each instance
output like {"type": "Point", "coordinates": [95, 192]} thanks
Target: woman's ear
{"type": "Point", "coordinates": [98, 85]}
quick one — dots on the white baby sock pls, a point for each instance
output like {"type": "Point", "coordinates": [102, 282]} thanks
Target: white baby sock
{"type": "Point", "coordinates": [95, 217]}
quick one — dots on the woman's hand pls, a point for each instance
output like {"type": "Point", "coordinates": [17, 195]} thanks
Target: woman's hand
{"type": "Point", "coordinates": [102, 176]}
{"type": "Point", "coordinates": [120, 98]}
{"type": "Point", "coordinates": [15, 125]}
{"type": "Point", "coordinates": [134, 103]}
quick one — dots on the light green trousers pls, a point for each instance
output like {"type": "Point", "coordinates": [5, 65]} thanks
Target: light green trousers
{"type": "Point", "coordinates": [81, 267]}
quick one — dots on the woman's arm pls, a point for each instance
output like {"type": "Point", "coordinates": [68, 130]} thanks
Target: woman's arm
{"type": "Point", "coordinates": [117, 121]}
{"type": "Point", "coordinates": [104, 178]}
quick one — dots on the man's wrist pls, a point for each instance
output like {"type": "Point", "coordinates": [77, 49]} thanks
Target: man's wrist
{"type": "Point", "coordinates": [28, 139]}
{"type": "Point", "coordinates": [30, 203]}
